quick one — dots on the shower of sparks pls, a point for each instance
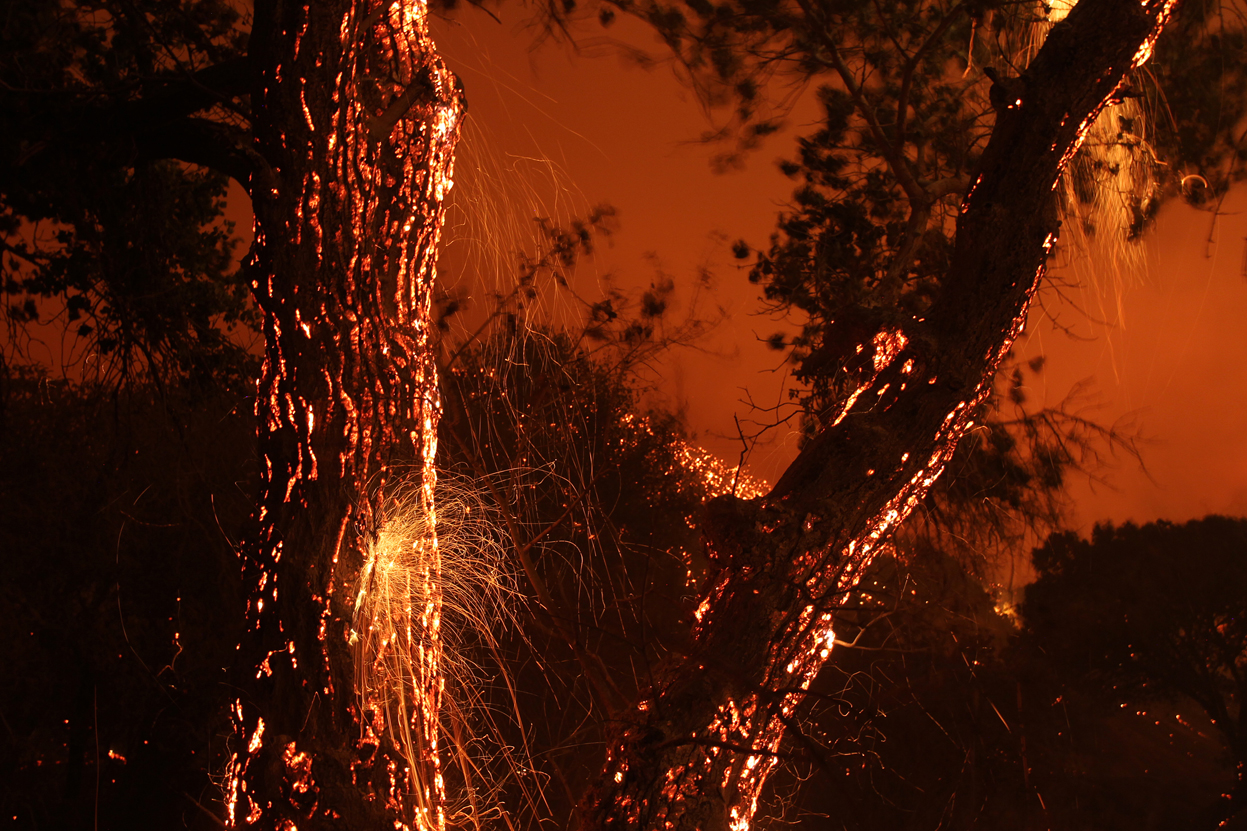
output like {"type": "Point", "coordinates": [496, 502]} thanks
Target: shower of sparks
{"type": "Point", "coordinates": [394, 605]}
{"type": "Point", "coordinates": [396, 636]}
{"type": "Point", "coordinates": [1111, 187]}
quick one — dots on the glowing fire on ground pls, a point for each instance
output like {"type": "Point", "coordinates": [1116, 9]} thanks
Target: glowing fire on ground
{"type": "Point", "coordinates": [713, 474]}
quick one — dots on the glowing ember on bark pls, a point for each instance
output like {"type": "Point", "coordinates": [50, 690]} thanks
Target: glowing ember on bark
{"type": "Point", "coordinates": [348, 390]}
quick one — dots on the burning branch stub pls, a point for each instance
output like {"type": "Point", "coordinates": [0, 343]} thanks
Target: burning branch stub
{"type": "Point", "coordinates": [357, 117]}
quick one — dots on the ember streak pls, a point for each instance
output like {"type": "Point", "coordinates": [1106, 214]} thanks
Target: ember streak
{"type": "Point", "coordinates": [357, 118]}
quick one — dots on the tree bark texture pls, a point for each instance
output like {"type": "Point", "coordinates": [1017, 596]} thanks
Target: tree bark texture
{"type": "Point", "coordinates": [356, 118]}
{"type": "Point", "coordinates": [696, 751]}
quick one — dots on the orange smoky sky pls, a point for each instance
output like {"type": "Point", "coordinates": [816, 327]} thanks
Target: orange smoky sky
{"type": "Point", "coordinates": [554, 130]}
{"type": "Point", "coordinates": [1171, 366]}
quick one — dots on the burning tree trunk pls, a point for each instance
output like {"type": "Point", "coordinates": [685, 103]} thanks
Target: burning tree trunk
{"type": "Point", "coordinates": [698, 748]}
{"type": "Point", "coordinates": [356, 120]}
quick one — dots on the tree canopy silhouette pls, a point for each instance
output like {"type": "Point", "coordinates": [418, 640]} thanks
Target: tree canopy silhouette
{"type": "Point", "coordinates": [1153, 611]}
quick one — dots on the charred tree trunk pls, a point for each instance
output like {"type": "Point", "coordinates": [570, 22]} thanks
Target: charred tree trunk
{"type": "Point", "coordinates": [355, 119]}
{"type": "Point", "coordinates": [697, 749]}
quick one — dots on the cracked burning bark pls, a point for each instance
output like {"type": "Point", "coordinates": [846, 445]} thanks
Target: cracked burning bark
{"type": "Point", "coordinates": [356, 121]}
{"type": "Point", "coordinates": [700, 744]}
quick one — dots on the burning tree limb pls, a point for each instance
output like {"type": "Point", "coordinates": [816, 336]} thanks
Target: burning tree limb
{"type": "Point", "coordinates": [781, 564]}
